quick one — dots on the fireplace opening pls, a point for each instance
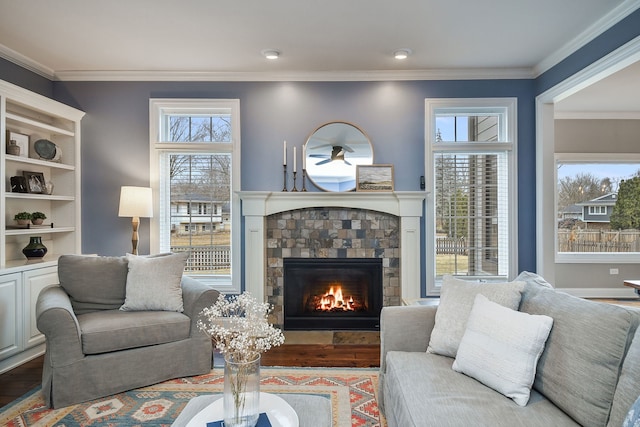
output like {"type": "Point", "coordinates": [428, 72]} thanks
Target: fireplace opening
{"type": "Point", "coordinates": [332, 293]}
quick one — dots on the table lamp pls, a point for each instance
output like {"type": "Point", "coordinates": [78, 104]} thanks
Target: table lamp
{"type": "Point", "coordinates": [135, 202]}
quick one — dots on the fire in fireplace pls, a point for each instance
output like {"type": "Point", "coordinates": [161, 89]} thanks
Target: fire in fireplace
{"type": "Point", "coordinates": [332, 293]}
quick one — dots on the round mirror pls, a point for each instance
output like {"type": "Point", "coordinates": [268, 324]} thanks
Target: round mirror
{"type": "Point", "coordinates": [332, 153]}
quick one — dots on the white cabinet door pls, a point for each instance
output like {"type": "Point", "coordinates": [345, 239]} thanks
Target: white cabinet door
{"type": "Point", "coordinates": [34, 282]}
{"type": "Point", "coordinates": [10, 315]}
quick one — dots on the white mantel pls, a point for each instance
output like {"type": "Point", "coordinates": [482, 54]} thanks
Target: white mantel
{"type": "Point", "coordinates": [408, 205]}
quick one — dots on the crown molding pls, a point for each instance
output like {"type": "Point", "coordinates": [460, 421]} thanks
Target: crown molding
{"type": "Point", "coordinates": [444, 74]}
{"type": "Point", "coordinates": [596, 115]}
{"type": "Point", "coordinates": [26, 62]}
{"type": "Point", "coordinates": [623, 10]}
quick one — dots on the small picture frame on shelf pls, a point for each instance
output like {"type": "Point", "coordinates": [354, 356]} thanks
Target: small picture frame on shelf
{"type": "Point", "coordinates": [18, 184]}
{"type": "Point", "coordinates": [374, 178]}
{"type": "Point", "coordinates": [21, 140]}
{"type": "Point", "coordinates": [35, 182]}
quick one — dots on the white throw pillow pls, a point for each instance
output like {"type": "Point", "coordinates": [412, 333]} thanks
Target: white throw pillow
{"type": "Point", "coordinates": [154, 283]}
{"type": "Point", "coordinates": [501, 348]}
{"type": "Point", "coordinates": [456, 300]}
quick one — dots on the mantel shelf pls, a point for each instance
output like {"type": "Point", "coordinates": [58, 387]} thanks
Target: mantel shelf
{"type": "Point", "coordinates": [400, 203]}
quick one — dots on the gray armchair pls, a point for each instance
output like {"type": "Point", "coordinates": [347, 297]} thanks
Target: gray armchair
{"type": "Point", "coordinates": [96, 350]}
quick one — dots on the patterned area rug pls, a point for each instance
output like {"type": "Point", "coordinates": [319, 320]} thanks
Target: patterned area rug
{"type": "Point", "coordinates": [352, 391]}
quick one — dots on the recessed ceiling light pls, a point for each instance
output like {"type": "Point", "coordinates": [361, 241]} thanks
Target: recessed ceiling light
{"type": "Point", "coordinates": [402, 53]}
{"type": "Point", "coordinates": [271, 53]}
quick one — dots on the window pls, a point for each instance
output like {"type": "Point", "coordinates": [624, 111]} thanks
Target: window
{"type": "Point", "coordinates": [195, 172]}
{"type": "Point", "coordinates": [471, 177]}
{"type": "Point", "coordinates": [597, 208]}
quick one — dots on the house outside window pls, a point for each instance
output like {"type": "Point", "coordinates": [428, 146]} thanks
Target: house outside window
{"type": "Point", "coordinates": [195, 174]}
{"type": "Point", "coordinates": [470, 218]}
{"type": "Point", "coordinates": [604, 190]}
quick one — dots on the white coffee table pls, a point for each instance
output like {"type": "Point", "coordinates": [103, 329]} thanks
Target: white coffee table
{"type": "Point", "coordinates": [309, 410]}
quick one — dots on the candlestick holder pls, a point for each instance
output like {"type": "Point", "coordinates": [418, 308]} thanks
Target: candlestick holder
{"type": "Point", "coordinates": [294, 182]}
{"type": "Point", "coordinates": [304, 178]}
{"type": "Point", "coordinates": [284, 188]}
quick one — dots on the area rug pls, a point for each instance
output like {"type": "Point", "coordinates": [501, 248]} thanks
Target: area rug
{"type": "Point", "coordinates": [352, 391]}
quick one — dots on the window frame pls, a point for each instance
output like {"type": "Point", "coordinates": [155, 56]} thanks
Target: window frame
{"type": "Point", "coordinates": [589, 257]}
{"type": "Point", "coordinates": [158, 108]}
{"type": "Point", "coordinates": [503, 106]}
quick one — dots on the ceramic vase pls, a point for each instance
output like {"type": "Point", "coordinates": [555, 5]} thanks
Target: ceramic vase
{"type": "Point", "coordinates": [35, 249]}
{"type": "Point", "coordinates": [13, 148]}
{"type": "Point", "coordinates": [241, 392]}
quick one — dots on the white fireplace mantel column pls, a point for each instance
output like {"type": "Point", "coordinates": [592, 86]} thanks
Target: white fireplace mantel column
{"type": "Point", "coordinates": [408, 205]}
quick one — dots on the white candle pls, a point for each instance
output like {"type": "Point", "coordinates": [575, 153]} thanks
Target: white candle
{"type": "Point", "coordinates": [294, 158]}
{"type": "Point", "coordinates": [284, 161]}
{"type": "Point", "coordinates": [304, 157]}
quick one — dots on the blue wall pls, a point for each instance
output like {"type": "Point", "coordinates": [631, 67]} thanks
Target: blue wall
{"type": "Point", "coordinates": [115, 137]}
{"type": "Point", "coordinates": [615, 37]}
{"type": "Point", "coordinates": [17, 75]}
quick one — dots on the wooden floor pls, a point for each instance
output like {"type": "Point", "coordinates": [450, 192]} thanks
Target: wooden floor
{"type": "Point", "coordinates": [24, 378]}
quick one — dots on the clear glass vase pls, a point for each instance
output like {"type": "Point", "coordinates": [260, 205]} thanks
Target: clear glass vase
{"type": "Point", "coordinates": [241, 392]}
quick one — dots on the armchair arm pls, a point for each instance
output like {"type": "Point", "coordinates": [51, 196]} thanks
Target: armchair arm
{"type": "Point", "coordinates": [405, 328]}
{"type": "Point", "coordinates": [56, 320]}
{"type": "Point", "coordinates": [196, 296]}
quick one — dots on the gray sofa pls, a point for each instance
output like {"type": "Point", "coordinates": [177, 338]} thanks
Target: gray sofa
{"type": "Point", "coordinates": [588, 373]}
{"type": "Point", "coordinates": [93, 349]}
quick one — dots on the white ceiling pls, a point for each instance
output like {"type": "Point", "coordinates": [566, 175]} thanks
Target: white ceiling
{"type": "Point", "coordinates": [328, 39]}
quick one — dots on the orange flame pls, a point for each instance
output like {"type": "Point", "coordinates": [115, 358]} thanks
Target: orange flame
{"type": "Point", "coordinates": [333, 299]}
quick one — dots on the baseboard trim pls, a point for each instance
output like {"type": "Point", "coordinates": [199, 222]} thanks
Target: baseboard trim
{"type": "Point", "coordinates": [21, 358]}
{"type": "Point", "coordinates": [623, 292]}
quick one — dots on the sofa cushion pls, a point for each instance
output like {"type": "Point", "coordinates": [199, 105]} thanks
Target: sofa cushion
{"type": "Point", "coordinates": [456, 299]}
{"type": "Point", "coordinates": [421, 389]}
{"type": "Point", "coordinates": [501, 347]}
{"type": "Point", "coordinates": [628, 383]}
{"type": "Point", "coordinates": [153, 283]}
{"type": "Point", "coordinates": [93, 282]}
{"type": "Point", "coordinates": [579, 367]}
{"type": "Point", "coordinates": [114, 330]}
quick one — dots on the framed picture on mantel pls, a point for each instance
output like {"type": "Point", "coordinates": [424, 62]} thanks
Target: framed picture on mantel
{"type": "Point", "coordinates": [374, 178]}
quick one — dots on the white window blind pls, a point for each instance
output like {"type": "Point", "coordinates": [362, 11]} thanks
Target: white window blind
{"type": "Point", "coordinates": [195, 168]}
{"type": "Point", "coordinates": [471, 214]}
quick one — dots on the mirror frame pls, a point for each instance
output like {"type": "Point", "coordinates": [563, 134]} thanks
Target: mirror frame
{"type": "Point", "coordinates": [340, 177]}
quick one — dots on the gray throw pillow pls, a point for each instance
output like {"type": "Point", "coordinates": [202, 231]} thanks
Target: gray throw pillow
{"type": "Point", "coordinates": [529, 277]}
{"type": "Point", "coordinates": [154, 283]}
{"type": "Point", "coordinates": [93, 282]}
{"type": "Point", "coordinates": [456, 300]}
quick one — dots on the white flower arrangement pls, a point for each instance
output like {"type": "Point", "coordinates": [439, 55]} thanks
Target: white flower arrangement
{"type": "Point", "coordinates": [239, 327]}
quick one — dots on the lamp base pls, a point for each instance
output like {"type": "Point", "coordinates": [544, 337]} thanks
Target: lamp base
{"type": "Point", "coordinates": [135, 223]}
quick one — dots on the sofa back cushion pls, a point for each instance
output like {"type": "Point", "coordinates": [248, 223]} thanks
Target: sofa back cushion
{"type": "Point", "coordinates": [583, 356]}
{"type": "Point", "coordinates": [93, 283]}
{"type": "Point", "coordinates": [629, 384]}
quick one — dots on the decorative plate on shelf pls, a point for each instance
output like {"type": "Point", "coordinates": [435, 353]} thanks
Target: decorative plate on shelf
{"type": "Point", "coordinates": [47, 150]}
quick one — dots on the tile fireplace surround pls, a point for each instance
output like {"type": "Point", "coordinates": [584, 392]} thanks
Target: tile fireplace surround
{"type": "Point", "coordinates": [320, 225]}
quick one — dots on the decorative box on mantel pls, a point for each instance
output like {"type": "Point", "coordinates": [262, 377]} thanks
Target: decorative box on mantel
{"type": "Point", "coordinates": [407, 205]}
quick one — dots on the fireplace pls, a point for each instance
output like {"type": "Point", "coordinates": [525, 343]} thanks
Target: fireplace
{"type": "Point", "coordinates": [332, 293]}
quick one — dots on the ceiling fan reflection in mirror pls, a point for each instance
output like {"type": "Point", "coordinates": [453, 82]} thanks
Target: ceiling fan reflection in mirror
{"type": "Point", "coordinates": [333, 151]}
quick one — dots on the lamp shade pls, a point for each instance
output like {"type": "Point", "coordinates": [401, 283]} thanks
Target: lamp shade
{"type": "Point", "coordinates": [136, 201]}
